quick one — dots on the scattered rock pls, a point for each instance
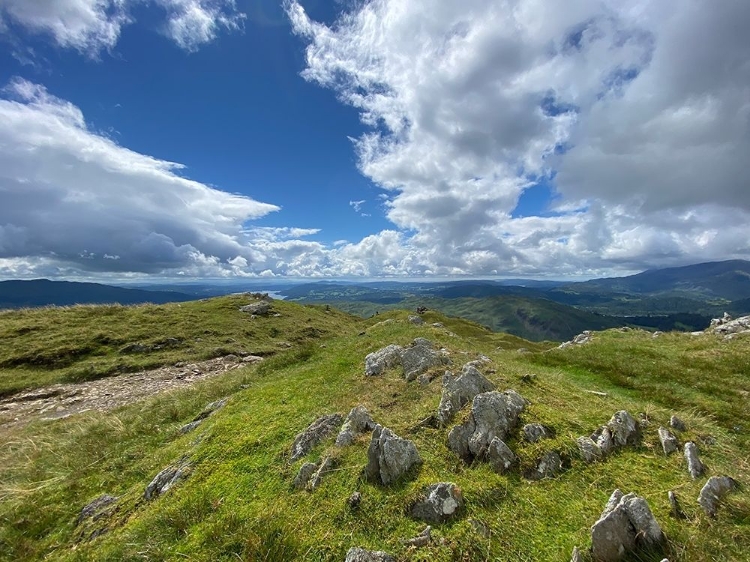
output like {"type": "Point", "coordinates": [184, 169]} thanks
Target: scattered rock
{"type": "Point", "coordinates": [533, 432]}
{"type": "Point", "coordinates": [325, 467]}
{"type": "Point", "coordinates": [677, 423]}
{"type": "Point", "coordinates": [304, 475]}
{"type": "Point", "coordinates": [361, 555]}
{"type": "Point", "coordinates": [314, 434]}
{"type": "Point", "coordinates": [590, 451]}
{"type": "Point", "coordinates": [727, 325]}
{"type": "Point", "coordinates": [676, 512]}
{"type": "Point", "coordinates": [389, 457]}
{"type": "Point", "coordinates": [580, 339]}
{"type": "Point", "coordinates": [603, 439]}
{"type": "Point", "coordinates": [252, 359]}
{"type": "Point", "coordinates": [207, 411]}
{"type": "Point", "coordinates": [354, 500]}
{"type": "Point", "coordinates": [576, 556]}
{"type": "Point", "coordinates": [357, 422]}
{"type": "Point", "coordinates": [262, 308]}
{"type": "Point", "coordinates": [440, 502]}
{"type": "Point", "coordinates": [438, 325]}
{"type": "Point", "coordinates": [500, 457]}
{"type": "Point", "coordinates": [459, 391]}
{"type": "Point", "coordinates": [416, 320]}
{"type": "Point", "coordinates": [377, 362]}
{"type": "Point", "coordinates": [97, 508]}
{"type": "Point", "coordinates": [713, 491]}
{"type": "Point", "coordinates": [548, 466]}
{"type": "Point", "coordinates": [695, 466]}
{"type": "Point", "coordinates": [528, 379]}
{"type": "Point", "coordinates": [493, 414]}
{"type": "Point", "coordinates": [422, 539]}
{"type": "Point", "coordinates": [625, 525]}
{"type": "Point", "coordinates": [420, 357]}
{"type": "Point", "coordinates": [668, 441]}
{"type": "Point", "coordinates": [625, 430]}
{"type": "Point", "coordinates": [167, 478]}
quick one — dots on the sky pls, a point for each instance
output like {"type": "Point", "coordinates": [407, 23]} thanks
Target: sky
{"type": "Point", "coordinates": [242, 139]}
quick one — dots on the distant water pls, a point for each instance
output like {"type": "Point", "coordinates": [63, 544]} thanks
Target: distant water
{"type": "Point", "coordinates": [273, 294]}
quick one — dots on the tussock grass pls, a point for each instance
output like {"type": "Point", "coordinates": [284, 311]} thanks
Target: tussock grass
{"type": "Point", "coordinates": [238, 503]}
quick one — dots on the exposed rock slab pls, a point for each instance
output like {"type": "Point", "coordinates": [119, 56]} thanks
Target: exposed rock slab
{"type": "Point", "coordinates": [713, 491]}
{"type": "Point", "coordinates": [357, 422]}
{"type": "Point", "coordinates": [378, 362]}
{"type": "Point", "coordinates": [262, 308]}
{"type": "Point", "coordinates": [166, 479]}
{"type": "Point", "coordinates": [459, 391]}
{"type": "Point", "coordinates": [389, 457]}
{"type": "Point", "coordinates": [314, 434]}
{"type": "Point", "coordinates": [440, 502]}
{"type": "Point", "coordinates": [100, 507]}
{"type": "Point", "coordinates": [207, 411]}
{"type": "Point", "coordinates": [420, 357]}
{"type": "Point", "coordinates": [361, 555]}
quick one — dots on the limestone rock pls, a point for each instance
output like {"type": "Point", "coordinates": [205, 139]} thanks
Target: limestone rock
{"type": "Point", "coordinates": [361, 555]}
{"type": "Point", "coordinates": [416, 320]}
{"type": "Point", "coordinates": [326, 465]}
{"type": "Point", "coordinates": [676, 512]}
{"type": "Point", "coordinates": [582, 338]}
{"type": "Point", "coordinates": [97, 508]}
{"type": "Point", "coordinates": [668, 441]}
{"type": "Point", "coordinates": [459, 391]}
{"type": "Point", "coordinates": [389, 457]}
{"type": "Point", "coordinates": [533, 432]}
{"type": "Point", "coordinates": [500, 457]}
{"type": "Point", "coordinates": [603, 439]}
{"type": "Point", "coordinates": [166, 479]}
{"type": "Point", "coordinates": [207, 411]}
{"type": "Point", "coordinates": [304, 474]}
{"type": "Point", "coordinates": [590, 451]}
{"type": "Point", "coordinates": [420, 357]}
{"type": "Point", "coordinates": [576, 556]}
{"type": "Point", "coordinates": [357, 422]}
{"type": "Point", "coordinates": [377, 362]}
{"type": "Point", "coordinates": [422, 539]}
{"type": "Point", "coordinates": [676, 423]}
{"type": "Point", "coordinates": [262, 308]}
{"type": "Point", "coordinates": [695, 466]}
{"type": "Point", "coordinates": [314, 434]}
{"type": "Point", "coordinates": [440, 502]}
{"type": "Point", "coordinates": [548, 466]}
{"type": "Point", "coordinates": [354, 500]}
{"type": "Point", "coordinates": [713, 491]}
{"type": "Point", "coordinates": [624, 428]}
{"type": "Point", "coordinates": [727, 325]}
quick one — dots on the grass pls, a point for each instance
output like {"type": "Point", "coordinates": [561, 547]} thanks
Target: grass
{"type": "Point", "coordinates": [238, 503]}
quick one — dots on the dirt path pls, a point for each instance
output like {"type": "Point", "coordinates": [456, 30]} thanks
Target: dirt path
{"type": "Point", "coordinates": [62, 400]}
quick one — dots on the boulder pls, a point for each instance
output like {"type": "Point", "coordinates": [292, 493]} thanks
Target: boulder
{"type": "Point", "coordinates": [420, 357]}
{"type": "Point", "coordinates": [694, 464]}
{"type": "Point", "coordinates": [668, 441]}
{"type": "Point", "coordinates": [533, 432]}
{"type": "Point", "coordinates": [361, 555]}
{"type": "Point", "coordinates": [590, 451]}
{"type": "Point", "coordinates": [377, 362]}
{"type": "Point", "coordinates": [304, 474]}
{"type": "Point", "coordinates": [603, 439]}
{"type": "Point", "coordinates": [97, 508]}
{"type": "Point", "coordinates": [459, 391]}
{"type": "Point", "coordinates": [548, 466]}
{"type": "Point", "coordinates": [416, 320]}
{"type": "Point", "coordinates": [166, 479]}
{"type": "Point", "coordinates": [389, 457]}
{"type": "Point", "coordinates": [357, 422]}
{"type": "Point", "coordinates": [676, 510]}
{"type": "Point", "coordinates": [624, 428]}
{"type": "Point", "coordinates": [262, 308]}
{"type": "Point", "coordinates": [326, 465]}
{"type": "Point", "coordinates": [439, 503]}
{"type": "Point", "coordinates": [713, 491]}
{"type": "Point", "coordinates": [625, 525]}
{"type": "Point", "coordinates": [314, 434]}
{"type": "Point", "coordinates": [500, 457]}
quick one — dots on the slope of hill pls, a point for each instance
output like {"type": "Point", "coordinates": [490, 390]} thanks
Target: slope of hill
{"type": "Point", "coordinates": [236, 499]}
{"type": "Point", "coordinates": [43, 292]}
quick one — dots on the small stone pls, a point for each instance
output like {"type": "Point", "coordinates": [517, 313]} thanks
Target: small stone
{"type": "Point", "coordinates": [303, 476]}
{"type": "Point", "coordinates": [676, 512]}
{"type": "Point", "coordinates": [252, 359]}
{"type": "Point", "coordinates": [500, 457]}
{"type": "Point", "coordinates": [354, 500]}
{"type": "Point", "coordinates": [713, 491]}
{"type": "Point", "coordinates": [695, 466]}
{"type": "Point", "coordinates": [548, 466]}
{"type": "Point", "coordinates": [422, 539]}
{"type": "Point", "coordinates": [576, 556]}
{"type": "Point", "coordinates": [416, 320]}
{"type": "Point", "coordinates": [316, 479]}
{"type": "Point", "coordinates": [590, 451]}
{"type": "Point", "coordinates": [361, 555]}
{"type": "Point", "coordinates": [533, 432]}
{"type": "Point", "coordinates": [314, 434]}
{"type": "Point", "coordinates": [441, 502]}
{"type": "Point", "coordinates": [97, 508]}
{"type": "Point", "coordinates": [677, 423]}
{"type": "Point", "coordinates": [262, 308]}
{"type": "Point", "coordinates": [625, 430]}
{"type": "Point", "coordinates": [668, 441]}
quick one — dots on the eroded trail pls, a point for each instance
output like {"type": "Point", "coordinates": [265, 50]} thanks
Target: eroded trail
{"type": "Point", "coordinates": [62, 400]}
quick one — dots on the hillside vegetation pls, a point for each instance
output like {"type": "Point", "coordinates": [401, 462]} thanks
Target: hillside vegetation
{"type": "Point", "coordinates": [238, 502]}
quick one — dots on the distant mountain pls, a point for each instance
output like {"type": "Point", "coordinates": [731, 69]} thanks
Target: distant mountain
{"type": "Point", "coordinates": [43, 292]}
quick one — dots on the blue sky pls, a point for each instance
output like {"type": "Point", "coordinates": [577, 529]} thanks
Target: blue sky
{"type": "Point", "coordinates": [370, 139]}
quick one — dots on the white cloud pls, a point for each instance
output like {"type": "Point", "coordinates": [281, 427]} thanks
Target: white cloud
{"type": "Point", "coordinates": [644, 126]}
{"type": "Point", "coordinates": [91, 26]}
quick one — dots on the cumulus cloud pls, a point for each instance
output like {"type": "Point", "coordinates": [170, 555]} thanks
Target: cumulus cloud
{"type": "Point", "coordinates": [641, 126]}
{"type": "Point", "coordinates": [72, 198]}
{"type": "Point", "coordinates": [91, 26]}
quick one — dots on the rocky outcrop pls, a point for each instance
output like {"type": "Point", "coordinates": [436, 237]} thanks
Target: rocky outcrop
{"type": "Point", "coordinates": [727, 325]}
{"type": "Point", "coordinates": [377, 362]}
{"type": "Point", "coordinates": [439, 503]}
{"type": "Point", "coordinates": [207, 411]}
{"type": "Point", "coordinates": [304, 474]}
{"type": "Point", "coordinates": [167, 478]}
{"type": "Point", "coordinates": [314, 434]}
{"type": "Point", "coordinates": [416, 320]}
{"type": "Point", "coordinates": [694, 465]}
{"type": "Point", "coordinates": [389, 457]}
{"type": "Point", "coordinates": [420, 357]}
{"type": "Point", "coordinates": [493, 414]}
{"type": "Point", "coordinates": [357, 422]}
{"type": "Point", "coordinates": [589, 450]}
{"type": "Point", "coordinates": [668, 441]}
{"type": "Point", "coordinates": [622, 430]}
{"type": "Point", "coordinates": [626, 525]}
{"type": "Point", "coordinates": [361, 555]}
{"type": "Point", "coordinates": [98, 508]}
{"type": "Point", "coordinates": [459, 391]}
{"type": "Point", "coordinates": [582, 338]}
{"type": "Point", "coordinates": [262, 308]}
{"type": "Point", "coordinates": [713, 491]}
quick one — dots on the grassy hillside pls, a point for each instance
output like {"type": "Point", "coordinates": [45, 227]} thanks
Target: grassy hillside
{"type": "Point", "coordinates": [238, 502]}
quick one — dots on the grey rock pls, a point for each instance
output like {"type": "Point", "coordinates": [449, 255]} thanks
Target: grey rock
{"type": "Point", "coordinates": [97, 508]}
{"type": "Point", "coordinates": [624, 428]}
{"type": "Point", "coordinates": [677, 423]}
{"type": "Point", "coordinates": [314, 434]}
{"type": "Point", "coordinates": [668, 441]}
{"type": "Point", "coordinates": [361, 555]}
{"type": "Point", "coordinates": [576, 556]}
{"type": "Point", "coordinates": [713, 491]}
{"type": "Point", "coordinates": [674, 504]}
{"type": "Point", "coordinates": [357, 422]}
{"type": "Point", "coordinates": [389, 457]}
{"type": "Point", "coordinates": [416, 320]}
{"type": "Point", "coordinates": [548, 466]}
{"type": "Point", "coordinates": [354, 500]}
{"type": "Point", "coordinates": [649, 531]}
{"type": "Point", "coordinates": [727, 325]}
{"type": "Point", "coordinates": [188, 427]}
{"type": "Point", "coordinates": [422, 539]}
{"type": "Point", "coordinates": [589, 450]}
{"type": "Point", "coordinates": [262, 308]}
{"type": "Point", "coordinates": [533, 432]}
{"type": "Point", "coordinates": [694, 464]}
{"type": "Point", "coordinates": [458, 439]}
{"type": "Point", "coordinates": [316, 479]}
{"type": "Point", "coordinates": [207, 411]}
{"type": "Point", "coordinates": [459, 391]}
{"type": "Point", "coordinates": [582, 338]}
{"type": "Point", "coordinates": [166, 479]}
{"type": "Point", "coordinates": [252, 359]}
{"type": "Point", "coordinates": [440, 502]}
{"type": "Point", "coordinates": [604, 440]}
{"type": "Point", "coordinates": [500, 457]}
{"type": "Point", "coordinates": [377, 362]}
{"type": "Point", "coordinates": [438, 325]}
{"type": "Point", "coordinates": [420, 357]}
{"type": "Point", "coordinates": [304, 474]}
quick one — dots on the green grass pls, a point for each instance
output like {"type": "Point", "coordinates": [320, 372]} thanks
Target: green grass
{"type": "Point", "coordinates": [238, 503]}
